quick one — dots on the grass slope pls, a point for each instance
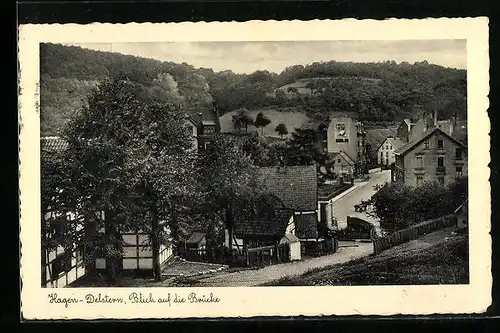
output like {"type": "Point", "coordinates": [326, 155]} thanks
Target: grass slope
{"type": "Point", "coordinates": [445, 262]}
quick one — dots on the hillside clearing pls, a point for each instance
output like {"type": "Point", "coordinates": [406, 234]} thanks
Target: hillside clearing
{"type": "Point", "coordinates": [292, 119]}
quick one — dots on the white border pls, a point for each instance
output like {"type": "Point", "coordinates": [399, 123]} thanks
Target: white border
{"type": "Point", "coordinates": [270, 301]}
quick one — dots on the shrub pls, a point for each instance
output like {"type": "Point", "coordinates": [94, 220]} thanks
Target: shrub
{"type": "Point", "coordinates": [399, 206]}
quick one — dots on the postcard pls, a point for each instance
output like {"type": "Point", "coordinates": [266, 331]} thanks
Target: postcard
{"type": "Point", "coordinates": [259, 168]}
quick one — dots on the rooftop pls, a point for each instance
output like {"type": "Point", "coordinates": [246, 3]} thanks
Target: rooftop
{"type": "Point", "coordinates": [295, 186]}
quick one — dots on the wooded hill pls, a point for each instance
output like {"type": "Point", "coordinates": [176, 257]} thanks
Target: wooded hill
{"type": "Point", "coordinates": [380, 92]}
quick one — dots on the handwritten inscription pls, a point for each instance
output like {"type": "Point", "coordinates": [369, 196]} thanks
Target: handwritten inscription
{"type": "Point", "coordinates": [135, 298]}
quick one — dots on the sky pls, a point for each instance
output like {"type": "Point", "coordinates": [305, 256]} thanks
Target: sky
{"type": "Point", "coordinates": [247, 57]}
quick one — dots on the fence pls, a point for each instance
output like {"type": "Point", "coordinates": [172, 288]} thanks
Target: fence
{"type": "Point", "coordinates": [268, 255]}
{"type": "Point", "coordinates": [413, 232]}
{"type": "Point", "coordinates": [265, 255]}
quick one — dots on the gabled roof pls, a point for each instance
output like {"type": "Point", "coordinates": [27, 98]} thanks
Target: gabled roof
{"type": "Point", "coordinates": [412, 144]}
{"type": "Point", "coordinates": [196, 237]}
{"type": "Point", "coordinates": [375, 136]}
{"type": "Point", "coordinates": [295, 186]}
{"type": "Point", "coordinates": [347, 158]}
{"type": "Point", "coordinates": [395, 142]}
{"type": "Point", "coordinates": [262, 225]}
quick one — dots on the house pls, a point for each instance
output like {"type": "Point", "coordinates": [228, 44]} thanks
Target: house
{"type": "Point", "coordinates": [454, 127]}
{"type": "Point", "coordinates": [404, 129]}
{"type": "Point", "coordinates": [197, 240]}
{"type": "Point", "coordinates": [326, 196]}
{"type": "Point", "coordinates": [374, 138]}
{"type": "Point", "coordinates": [62, 268]}
{"type": "Point", "coordinates": [296, 187]}
{"type": "Point", "coordinates": [59, 266]}
{"type": "Point", "coordinates": [346, 135]}
{"type": "Point", "coordinates": [204, 122]}
{"type": "Point", "coordinates": [433, 156]}
{"type": "Point", "coordinates": [341, 164]}
{"type": "Point", "coordinates": [385, 152]}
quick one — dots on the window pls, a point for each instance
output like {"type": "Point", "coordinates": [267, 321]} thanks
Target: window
{"type": "Point", "coordinates": [440, 161]}
{"type": "Point", "coordinates": [458, 153]}
{"type": "Point", "coordinates": [419, 161]}
{"type": "Point", "coordinates": [426, 144]}
{"type": "Point", "coordinates": [441, 180]}
{"type": "Point", "coordinates": [386, 147]}
{"type": "Point", "coordinates": [386, 154]}
{"type": "Point", "coordinates": [339, 161]}
{"type": "Point", "coordinates": [381, 154]}
{"type": "Point", "coordinates": [440, 144]}
{"type": "Point", "coordinates": [420, 180]}
{"type": "Point", "coordinates": [207, 144]}
{"type": "Point", "coordinates": [208, 129]}
{"type": "Point", "coordinates": [459, 171]}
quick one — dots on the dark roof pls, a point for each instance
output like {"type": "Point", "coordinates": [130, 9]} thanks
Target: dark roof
{"type": "Point", "coordinates": [375, 136]}
{"type": "Point", "coordinates": [51, 144]}
{"type": "Point", "coordinates": [262, 226]}
{"type": "Point", "coordinates": [196, 237]}
{"type": "Point", "coordinates": [306, 225]}
{"type": "Point", "coordinates": [295, 186]}
{"type": "Point", "coordinates": [395, 142]}
{"type": "Point", "coordinates": [412, 144]}
{"type": "Point", "coordinates": [203, 114]}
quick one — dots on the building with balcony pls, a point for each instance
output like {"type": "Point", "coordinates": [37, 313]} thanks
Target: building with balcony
{"type": "Point", "coordinates": [433, 156]}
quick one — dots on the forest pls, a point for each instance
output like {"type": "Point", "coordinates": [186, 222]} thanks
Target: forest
{"type": "Point", "coordinates": [379, 92]}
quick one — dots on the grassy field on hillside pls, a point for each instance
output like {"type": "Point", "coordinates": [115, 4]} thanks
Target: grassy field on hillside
{"type": "Point", "coordinates": [292, 119]}
{"type": "Point", "coordinates": [445, 262]}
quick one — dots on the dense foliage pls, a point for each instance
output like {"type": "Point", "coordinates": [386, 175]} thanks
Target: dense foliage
{"type": "Point", "coordinates": [126, 158]}
{"type": "Point", "coordinates": [398, 206]}
{"type": "Point", "coordinates": [379, 91]}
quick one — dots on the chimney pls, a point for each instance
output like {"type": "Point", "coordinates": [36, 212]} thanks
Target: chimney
{"type": "Point", "coordinates": [424, 117]}
{"type": "Point", "coordinates": [435, 118]}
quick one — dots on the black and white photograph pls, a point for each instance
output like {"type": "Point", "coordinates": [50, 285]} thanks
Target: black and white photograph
{"type": "Point", "coordinates": [287, 163]}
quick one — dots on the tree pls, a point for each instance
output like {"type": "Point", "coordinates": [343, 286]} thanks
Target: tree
{"type": "Point", "coordinates": [398, 205]}
{"type": "Point", "coordinates": [164, 161]}
{"type": "Point", "coordinates": [242, 119]}
{"type": "Point", "coordinates": [281, 129]}
{"type": "Point", "coordinates": [261, 121]}
{"type": "Point", "coordinates": [228, 179]}
{"type": "Point", "coordinates": [129, 160]}
{"type": "Point", "coordinates": [304, 149]}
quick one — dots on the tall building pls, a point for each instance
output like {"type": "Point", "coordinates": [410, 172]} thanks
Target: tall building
{"type": "Point", "coordinates": [346, 136]}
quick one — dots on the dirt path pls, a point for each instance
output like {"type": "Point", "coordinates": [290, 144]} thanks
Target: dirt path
{"type": "Point", "coordinates": [248, 278]}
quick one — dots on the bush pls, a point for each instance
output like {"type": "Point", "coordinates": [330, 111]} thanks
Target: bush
{"type": "Point", "coordinates": [399, 206]}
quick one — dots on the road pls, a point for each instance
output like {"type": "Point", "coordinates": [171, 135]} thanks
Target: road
{"type": "Point", "coordinates": [344, 206]}
{"type": "Point", "coordinates": [256, 277]}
